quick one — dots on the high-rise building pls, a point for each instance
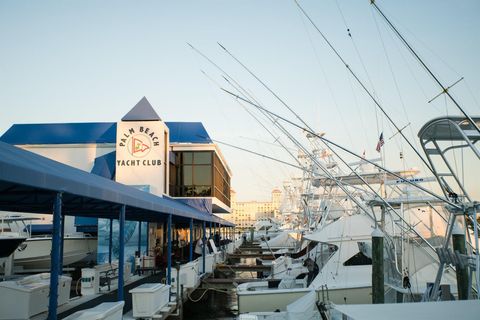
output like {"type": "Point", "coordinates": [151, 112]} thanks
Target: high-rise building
{"type": "Point", "coordinates": [246, 213]}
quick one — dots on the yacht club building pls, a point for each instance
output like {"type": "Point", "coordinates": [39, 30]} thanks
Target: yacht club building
{"type": "Point", "coordinates": [168, 159]}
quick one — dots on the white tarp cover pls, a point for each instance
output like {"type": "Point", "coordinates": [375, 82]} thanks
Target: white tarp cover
{"type": "Point", "coordinates": [442, 310]}
{"type": "Point", "coordinates": [304, 308]}
{"type": "Point", "coordinates": [283, 239]}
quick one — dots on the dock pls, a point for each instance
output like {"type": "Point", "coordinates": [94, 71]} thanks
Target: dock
{"type": "Point", "coordinates": [242, 267]}
{"type": "Point", "coordinates": [263, 256]}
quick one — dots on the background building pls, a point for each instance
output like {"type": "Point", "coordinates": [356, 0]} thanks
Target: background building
{"type": "Point", "coordinates": [246, 213]}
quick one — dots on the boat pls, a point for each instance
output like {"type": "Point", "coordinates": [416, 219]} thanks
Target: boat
{"type": "Point", "coordinates": [34, 251]}
{"type": "Point", "coordinates": [9, 241]}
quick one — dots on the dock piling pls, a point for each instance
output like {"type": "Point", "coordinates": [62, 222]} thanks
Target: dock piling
{"type": "Point", "coordinates": [378, 289]}
{"type": "Point", "coordinates": [458, 239]}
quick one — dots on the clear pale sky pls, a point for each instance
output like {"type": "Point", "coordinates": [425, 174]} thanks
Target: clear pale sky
{"type": "Point", "coordinates": [88, 61]}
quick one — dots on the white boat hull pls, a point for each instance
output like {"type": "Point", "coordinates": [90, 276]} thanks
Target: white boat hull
{"type": "Point", "coordinates": [269, 300]}
{"type": "Point", "coordinates": [35, 253]}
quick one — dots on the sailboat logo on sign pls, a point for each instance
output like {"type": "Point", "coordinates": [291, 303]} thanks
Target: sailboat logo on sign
{"type": "Point", "coordinates": [139, 146]}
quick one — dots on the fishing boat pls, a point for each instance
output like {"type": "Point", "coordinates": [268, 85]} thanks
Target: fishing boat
{"type": "Point", "coordinates": [9, 241]}
{"type": "Point", "coordinates": [34, 251]}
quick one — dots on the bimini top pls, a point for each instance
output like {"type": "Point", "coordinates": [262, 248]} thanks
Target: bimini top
{"type": "Point", "coordinates": [29, 183]}
{"type": "Point", "coordinates": [450, 129]}
{"type": "Point", "coordinates": [94, 132]}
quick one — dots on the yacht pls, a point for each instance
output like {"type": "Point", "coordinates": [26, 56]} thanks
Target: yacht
{"type": "Point", "coordinates": [34, 249]}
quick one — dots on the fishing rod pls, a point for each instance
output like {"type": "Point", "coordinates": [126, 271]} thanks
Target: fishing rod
{"type": "Point", "coordinates": [324, 141]}
{"type": "Point", "coordinates": [237, 86]}
{"type": "Point", "coordinates": [269, 116]}
{"type": "Point", "coordinates": [277, 139]}
{"type": "Point", "coordinates": [312, 158]}
{"type": "Point", "coordinates": [445, 90]}
{"type": "Point", "coordinates": [274, 121]}
{"type": "Point", "coordinates": [339, 184]}
{"type": "Point", "coordinates": [424, 65]}
{"type": "Point", "coordinates": [278, 160]}
{"type": "Point", "coordinates": [348, 151]}
{"type": "Point", "coordinates": [232, 82]}
{"type": "Point", "coordinates": [360, 82]}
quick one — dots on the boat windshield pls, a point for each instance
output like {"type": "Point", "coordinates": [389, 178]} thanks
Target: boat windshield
{"type": "Point", "coordinates": [322, 253]}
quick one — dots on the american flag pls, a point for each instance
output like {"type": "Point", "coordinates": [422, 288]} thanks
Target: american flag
{"type": "Point", "coordinates": [380, 143]}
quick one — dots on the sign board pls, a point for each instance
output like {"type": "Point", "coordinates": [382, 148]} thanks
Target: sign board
{"type": "Point", "coordinates": [142, 154]}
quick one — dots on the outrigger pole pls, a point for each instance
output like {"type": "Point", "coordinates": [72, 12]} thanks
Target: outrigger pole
{"type": "Point", "coordinates": [375, 101]}
{"type": "Point", "coordinates": [325, 140]}
{"type": "Point", "coordinates": [430, 72]}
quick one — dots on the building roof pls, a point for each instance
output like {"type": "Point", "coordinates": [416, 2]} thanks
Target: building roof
{"type": "Point", "coordinates": [61, 133]}
{"type": "Point", "coordinates": [94, 132]}
{"type": "Point", "coordinates": [142, 111]}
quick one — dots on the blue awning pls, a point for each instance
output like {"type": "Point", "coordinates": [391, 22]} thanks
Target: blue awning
{"type": "Point", "coordinates": [38, 229]}
{"type": "Point", "coordinates": [188, 132]}
{"type": "Point", "coordinates": [104, 166]}
{"type": "Point", "coordinates": [94, 132]}
{"type": "Point", "coordinates": [61, 133]}
{"type": "Point", "coordinates": [29, 183]}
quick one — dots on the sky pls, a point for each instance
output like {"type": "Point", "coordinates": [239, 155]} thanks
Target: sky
{"type": "Point", "coordinates": [89, 61]}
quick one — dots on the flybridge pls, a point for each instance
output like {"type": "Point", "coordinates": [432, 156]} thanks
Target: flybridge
{"type": "Point", "coordinates": [412, 180]}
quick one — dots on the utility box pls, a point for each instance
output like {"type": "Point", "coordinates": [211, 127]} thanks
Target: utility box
{"type": "Point", "coordinates": [102, 278]}
{"type": "Point", "coordinates": [188, 275]}
{"type": "Point", "coordinates": [148, 262]}
{"type": "Point", "coordinates": [104, 311]}
{"type": "Point", "coordinates": [209, 263]}
{"type": "Point", "coordinates": [149, 298]}
{"type": "Point", "coordinates": [28, 296]}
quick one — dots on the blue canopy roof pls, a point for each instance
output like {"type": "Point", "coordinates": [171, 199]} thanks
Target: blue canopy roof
{"type": "Point", "coordinates": [94, 132]}
{"type": "Point", "coordinates": [61, 133]}
{"type": "Point", "coordinates": [29, 182]}
{"type": "Point", "coordinates": [188, 132]}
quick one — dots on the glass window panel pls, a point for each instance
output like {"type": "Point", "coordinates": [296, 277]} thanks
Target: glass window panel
{"type": "Point", "coordinates": [187, 158]}
{"type": "Point", "coordinates": [187, 175]}
{"type": "Point", "coordinates": [358, 260]}
{"type": "Point", "coordinates": [202, 175]}
{"type": "Point", "coordinates": [203, 157]}
{"type": "Point", "coordinates": [189, 191]}
{"type": "Point", "coordinates": [203, 191]}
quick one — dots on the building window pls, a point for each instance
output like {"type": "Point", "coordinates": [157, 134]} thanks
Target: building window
{"type": "Point", "coordinates": [199, 174]}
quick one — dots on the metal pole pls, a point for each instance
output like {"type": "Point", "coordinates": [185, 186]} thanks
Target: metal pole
{"type": "Point", "coordinates": [169, 249]}
{"type": "Point", "coordinates": [204, 240]}
{"type": "Point", "coordinates": [121, 253]}
{"type": "Point", "coordinates": [191, 240]}
{"type": "Point", "coordinates": [458, 239]}
{"type": "Point", "coordinates": [55, 265]}
{"type": "Point", "coordinates": [210, 229]}
{"type": "Point", "coordinates": [378, 288]}
{"type": "Point", "coordinates": [110, 242]}
{"type": "Point", "coordinates": [62, 240]}
{"type": "Point", "coordinates": [220, 232]}
{"type": "Point", "coordinates": [147, 244]}
{"type": "Point", "coordinates": [139, 238]}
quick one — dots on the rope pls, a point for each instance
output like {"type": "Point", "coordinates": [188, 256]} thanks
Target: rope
{"type": "Point", "coordinates": [203, 294]}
